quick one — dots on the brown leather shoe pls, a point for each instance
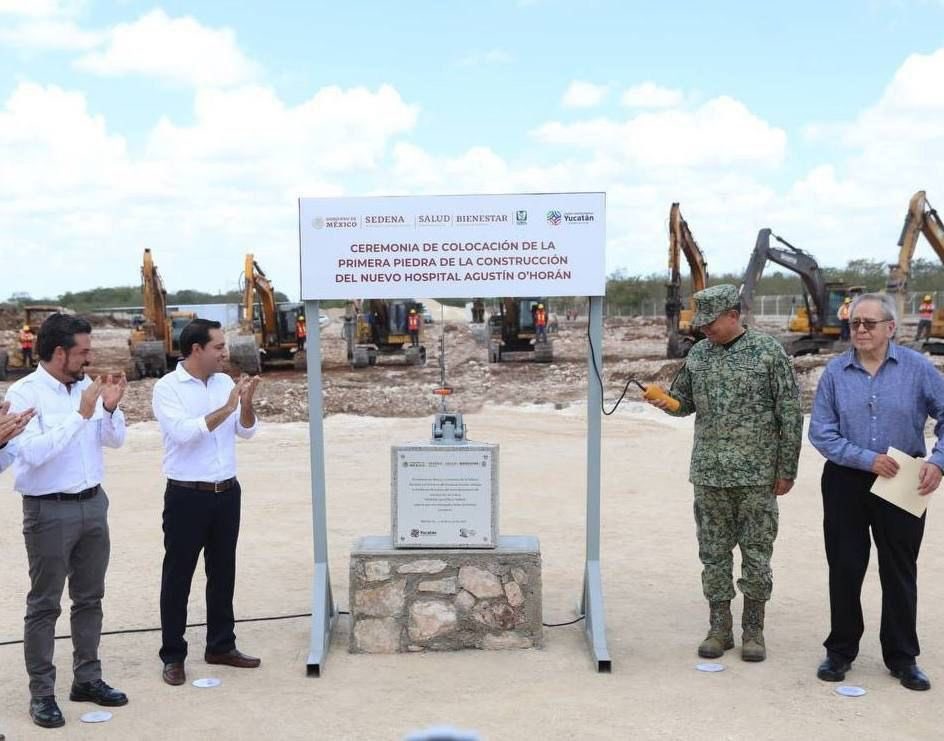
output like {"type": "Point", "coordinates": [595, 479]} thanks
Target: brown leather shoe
{"type": "Point", "coordinates": [233, 658]}
{"type": "Point", "coordinates": [174, 673]}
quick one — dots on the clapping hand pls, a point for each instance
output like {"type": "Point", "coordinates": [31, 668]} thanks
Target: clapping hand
{"type": "Point", "coordinates": [113, 391]}
{"type": "Point", "coordinates": [12, 425]}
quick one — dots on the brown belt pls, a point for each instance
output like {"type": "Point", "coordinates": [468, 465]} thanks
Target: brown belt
{"type": "Point", "coordinates": [215, 486]}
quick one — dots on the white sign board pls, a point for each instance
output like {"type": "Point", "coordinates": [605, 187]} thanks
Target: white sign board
{"type": "Point", "coordinates": [547, 244]}
{"type": "Point", "coordinates": [444, 496]}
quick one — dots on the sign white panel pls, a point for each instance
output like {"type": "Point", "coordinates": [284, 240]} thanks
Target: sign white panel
{"type": "Point", "coordinates": [445, 496]}
{"type": "Point", "coordinates": [547, 244]}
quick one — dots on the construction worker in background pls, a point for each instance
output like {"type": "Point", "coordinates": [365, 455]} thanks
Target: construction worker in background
{"type": "Point", "coordinates": [301, 332]}
{"type": "Point", "coordinates": [540, 324]}
{"type": "Point", "coordinates": [843, 315]}
{"type": "Point", "coordinates": [413, 327]}
{"type": "Point", "coordinates": [27, 338]}
{"type": "Point", "coordinates": [925, 314]}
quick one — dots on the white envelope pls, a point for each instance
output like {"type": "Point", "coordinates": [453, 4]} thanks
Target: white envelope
{"type": "Point", "coordinates": [902, 491]}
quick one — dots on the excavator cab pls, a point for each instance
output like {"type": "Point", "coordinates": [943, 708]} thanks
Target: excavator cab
{"type": "Point", "coordinates": [512, 329]}
{"type": "Point", "coordinates": [381, 329]}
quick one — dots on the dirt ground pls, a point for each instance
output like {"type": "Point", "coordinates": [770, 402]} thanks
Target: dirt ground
{"type": "Point", "coordinates": [655, 614]}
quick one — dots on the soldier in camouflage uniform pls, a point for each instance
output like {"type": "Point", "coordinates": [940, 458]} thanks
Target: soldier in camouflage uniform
{"type": "Point", "coordinates": [748, 429]}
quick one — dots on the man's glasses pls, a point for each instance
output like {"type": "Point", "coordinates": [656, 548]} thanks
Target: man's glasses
{"type": "Point", "coordinates": [867, 324]}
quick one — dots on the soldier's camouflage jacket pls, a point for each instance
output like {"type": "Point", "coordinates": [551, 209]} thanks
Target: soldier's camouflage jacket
{"type": "Point", "coordinates": [748, 421]}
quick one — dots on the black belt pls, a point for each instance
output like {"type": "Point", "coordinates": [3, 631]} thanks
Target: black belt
{"type": "Point", "coordinates": [66, 497]}
{"type": "Point", "coordinates": [215, 486]}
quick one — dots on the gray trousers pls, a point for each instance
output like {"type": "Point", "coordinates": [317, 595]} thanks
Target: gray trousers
{"type": "Point", "coordinates": [64, 540]}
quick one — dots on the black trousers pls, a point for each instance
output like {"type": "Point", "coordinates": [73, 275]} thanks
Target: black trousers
{"type": "Point", "coordinates": [194, 521]}
{"type": "Point", "coordinates": [850, 510]}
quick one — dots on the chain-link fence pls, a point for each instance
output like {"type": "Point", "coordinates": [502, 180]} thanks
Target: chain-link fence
{"type": "Point", "coordinates": [764, 306]}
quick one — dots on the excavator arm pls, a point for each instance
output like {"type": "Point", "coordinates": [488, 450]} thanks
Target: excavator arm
{"type": "Point", "coordinates": [256, 282]}
{"type": "Point", "coordinates": [793, 259]}
{"type": "Point", "coordinates": [154, 297]}
{"type": "Point", "coordinates": [920, 219]}
{"type": "Point", "coordinates": [681, 241]}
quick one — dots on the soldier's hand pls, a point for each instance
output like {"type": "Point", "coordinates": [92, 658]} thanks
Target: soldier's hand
{"type": "Point", "coordinates": [662, 404]}
{"type": "Point", "coordinates": [929, 479]}
{"type": "Point", "coordinates": [782, 486]}
{"type": "Point", "coordinates": [90, 398]}
{"type": "Point", "coordinates": [885, 466]}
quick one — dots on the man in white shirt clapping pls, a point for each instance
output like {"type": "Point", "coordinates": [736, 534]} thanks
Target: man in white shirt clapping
{"type": "Point", "coordinates": [201, 411]}
{"type": "Point", "coordinates": [58, 468]}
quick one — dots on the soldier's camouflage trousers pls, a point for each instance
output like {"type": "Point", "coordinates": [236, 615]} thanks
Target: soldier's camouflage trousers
{"type": "Point", "coordinates": [746, 516]}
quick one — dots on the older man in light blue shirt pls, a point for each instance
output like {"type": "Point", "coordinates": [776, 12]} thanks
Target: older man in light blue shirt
{"type": "Point", "coordinates": [876, 396]}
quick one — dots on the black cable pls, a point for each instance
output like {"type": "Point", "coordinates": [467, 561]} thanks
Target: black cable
{"type": "Point", "coordinates": [593, 357]}
{"type": "Point", "coordinates": [128, 631]}
{"type": "Point", "coordinates": [561, 625]}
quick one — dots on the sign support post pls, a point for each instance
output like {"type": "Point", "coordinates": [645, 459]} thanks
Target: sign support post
{"type": "Point", "coordinates": [324, 612]}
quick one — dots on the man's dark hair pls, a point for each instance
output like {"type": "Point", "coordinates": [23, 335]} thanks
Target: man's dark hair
{"type": "Point", "coordinates": [196, 333]}
{"type": "Point", "coordinates": [59, 330]}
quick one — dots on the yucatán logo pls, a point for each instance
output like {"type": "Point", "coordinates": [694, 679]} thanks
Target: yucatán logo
{"type": "Point", "coordinates": [521, 216]}
{"type": "Point", "coordinates": [578, 217]}
{"type": "Point", "coordinates": [416, 532]}
{"type": "Point", "coordinates": [554, 217]}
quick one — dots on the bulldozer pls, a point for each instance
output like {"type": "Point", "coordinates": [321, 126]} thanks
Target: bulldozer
{"type": "Point", "coordinates": [920, 219]}
{"type": "Point", "coordinates": [267, 332]}
{"type": "Point", "coordinates": [155, 342]}
{"type": "Point", "coordinates": [678, 320]}
{"type": "Point", "coordinates": [817, 319]}
{"type": "Point", "coordinates": [33, 316]}
{"type": "Point", "coordinates": [511, 329]}
{"type": "Point", "coordinates": [378, 328]}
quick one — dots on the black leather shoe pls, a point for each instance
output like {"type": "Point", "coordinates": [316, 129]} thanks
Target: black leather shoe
{"type": "Point", "coordinates": [99, 693]}
{"type": "Point", "coordinates": [46, 713]}
{"type": "Point", "coordinates": [833, 670]}
{"type": "Point", "coordinates": [912, 678]}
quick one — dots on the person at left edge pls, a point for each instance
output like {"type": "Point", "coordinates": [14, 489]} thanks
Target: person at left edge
{"type": "Point", "coordinates": [59, 469]}
{"type": "Point", "coordinates": [11, 425]}
{"type": "Point", "coordinates": [201, 411]}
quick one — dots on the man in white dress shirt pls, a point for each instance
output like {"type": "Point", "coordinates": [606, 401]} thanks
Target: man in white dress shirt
{"type": "Point", "coordinates": [201, 411]}
{"type": "Point", "coordinates": [58, 468]}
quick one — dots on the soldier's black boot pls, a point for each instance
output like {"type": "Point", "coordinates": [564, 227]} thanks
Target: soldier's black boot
{"type": "Point", "coordinates": [753, 647]}
{"type": "Point", "coordinates": [720, 631]}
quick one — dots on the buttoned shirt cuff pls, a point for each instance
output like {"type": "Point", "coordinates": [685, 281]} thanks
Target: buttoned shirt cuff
{"type": "Point", "coordinates": [937, 459]}
{"type": "Point", "coordinates": [246, 432]}
{"type": "Point", "coordinates": [866, 459]}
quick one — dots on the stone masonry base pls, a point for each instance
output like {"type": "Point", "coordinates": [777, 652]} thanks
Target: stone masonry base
{"type": "Point", "coordinates": [445, 599]}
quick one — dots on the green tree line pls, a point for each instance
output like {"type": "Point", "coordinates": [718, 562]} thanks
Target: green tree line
{"type": "Point", "coordinates": [100, 298]}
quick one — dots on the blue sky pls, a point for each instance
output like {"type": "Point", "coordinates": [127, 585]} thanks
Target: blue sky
{"type": "Point", "coordinates": [190, 127]}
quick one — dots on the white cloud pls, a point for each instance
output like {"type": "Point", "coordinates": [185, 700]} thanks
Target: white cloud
{"type": "Point", "coordinates": [41, 8]}
{"type": "Point", "coordinates": [722, 131]}
{"type": "Point", "coordinates": [50, 34]}
{"type": "Point", "coordinates": [484, 58]}
{"type": "Point", "coordinates": [650, 95]}
{"type": "Point", "coordinates": [177, 50]}
{"type": "Point", "coordinates": [581, 94]}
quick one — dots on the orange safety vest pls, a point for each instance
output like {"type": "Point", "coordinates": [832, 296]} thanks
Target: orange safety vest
{"type": "Point", "coordinates": [26, 340]}
{"type": "Point", "coordinates": [300, 330]}
{"type": "Point", "coordinates": [926, 310]}
{"type": "Point", "coordinates": [540, 318]}
{"type": "Point", "coordinates": [843, 313]}
{"type": "Point", "coordinates": [413, 322]}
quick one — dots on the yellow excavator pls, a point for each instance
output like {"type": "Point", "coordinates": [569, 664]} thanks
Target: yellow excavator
{"type": "Point", "coordinates": [14, 363]}
{"type": "Point", "coordinates": [678, 321]}
{"type": "Point", "coordinates": [155, 341]}
{"type": "Point", "coordinates": [920, 219]}
{"type": "Point", "coordinates": [378, 328]}
{"type": "Point", "coordinates": [267, 334]}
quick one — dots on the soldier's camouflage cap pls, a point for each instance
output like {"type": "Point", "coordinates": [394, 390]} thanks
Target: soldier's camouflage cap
{"type": "Point", "coordinates": [710, 303]}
